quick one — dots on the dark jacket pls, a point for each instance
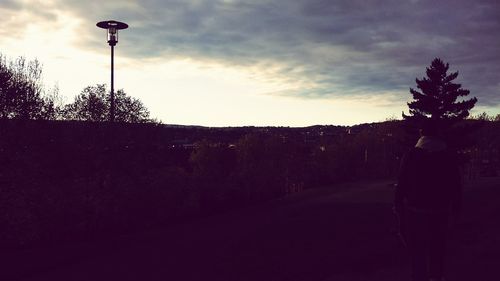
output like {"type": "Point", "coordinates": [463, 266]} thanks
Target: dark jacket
{"type": "Point", "coordinates": [429, 181]}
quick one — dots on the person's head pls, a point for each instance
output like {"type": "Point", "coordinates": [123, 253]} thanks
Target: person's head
{"type": "Point", "coordinates": [429, 129]}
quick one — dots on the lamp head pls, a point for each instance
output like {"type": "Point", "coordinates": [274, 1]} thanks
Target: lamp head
{"type": "Point", "coordinates": [112, 28]}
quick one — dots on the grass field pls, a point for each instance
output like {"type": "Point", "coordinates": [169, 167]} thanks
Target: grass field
{"type": "Point", "coordinates": [341, 233]}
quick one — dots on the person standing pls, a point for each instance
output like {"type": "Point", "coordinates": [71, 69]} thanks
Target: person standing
{"type": "Point", "coordinates": [427, 196]}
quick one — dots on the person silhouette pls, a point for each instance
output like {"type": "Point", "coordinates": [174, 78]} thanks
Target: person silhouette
{"type": "Point", "coordinates": [428, 193]}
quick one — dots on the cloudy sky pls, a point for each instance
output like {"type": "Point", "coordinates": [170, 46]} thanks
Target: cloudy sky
{"type": "Point", "coordinates": [259, 62]}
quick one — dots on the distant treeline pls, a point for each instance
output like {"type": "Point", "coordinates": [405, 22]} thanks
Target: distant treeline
{"type": "Point", "coordinates": [63, 180]}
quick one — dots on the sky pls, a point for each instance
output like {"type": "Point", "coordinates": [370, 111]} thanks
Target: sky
{"type": "Point", "coordinates": [261, 62]}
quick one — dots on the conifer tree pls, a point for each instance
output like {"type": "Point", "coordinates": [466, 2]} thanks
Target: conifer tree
{"type": "Point", "coordinates": [437, 99]}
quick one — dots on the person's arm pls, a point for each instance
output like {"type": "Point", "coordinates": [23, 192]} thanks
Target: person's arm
{"type": "Point", "coordinates": [402, 185]}
{"type": "Point", "coordinates": [456, 196]}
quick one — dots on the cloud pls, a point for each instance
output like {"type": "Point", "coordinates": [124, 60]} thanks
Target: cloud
{"type": "Point", "coordinates": [18, 16]}
{"type": "Point", "coordinates": [331, 48]}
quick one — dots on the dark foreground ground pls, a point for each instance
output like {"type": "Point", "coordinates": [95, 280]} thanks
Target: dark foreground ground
{"type": "Point", "coordinates": [316, 235]}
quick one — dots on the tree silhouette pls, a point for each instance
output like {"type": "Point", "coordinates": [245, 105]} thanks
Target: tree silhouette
{"type": "Point", "coordinates": [21, 91]}
{"type": "Point", "coordinates": [89, 105]}
{"type": "Point", "coordinates": [129, 109]}
{"type": "Point", "coordinates": [5, 89]}
{"type": "Point", "coordinates": [437, 103]}
{"type": "Point", "coordinates": [437, 98]}
{"type": "Point", "coordinates": [92, 104]}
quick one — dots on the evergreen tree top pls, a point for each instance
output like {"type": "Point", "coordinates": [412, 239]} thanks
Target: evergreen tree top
{"type": "Point", "coordinates": [439, 101]}
{"type": "Point", "coordinates": [437, 95]}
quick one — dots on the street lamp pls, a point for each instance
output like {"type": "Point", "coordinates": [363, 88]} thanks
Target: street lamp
{"type": "Point", "coordinates": [112, 28]}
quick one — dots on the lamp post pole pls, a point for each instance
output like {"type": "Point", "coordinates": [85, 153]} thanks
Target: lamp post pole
{"type": "Point", "coordinates": [112, 107]}
{"type": "Point", "coordinates": [112, 28]}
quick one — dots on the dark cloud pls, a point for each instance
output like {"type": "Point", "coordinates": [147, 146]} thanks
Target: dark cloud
{"type": "Point", "coordinates": [10, 4]}
{"type": "Point", "coordinates": [343, 47]}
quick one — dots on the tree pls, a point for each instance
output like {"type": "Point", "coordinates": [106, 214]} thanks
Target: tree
{"type": "Point", "coordinates": [21, 90]}
{"type": "Point", "coordinates": [485, 117]}
{"type": "Point", "coordinates": [129, 109]}
{"type": "Point", "coordinates": [89, 105]}
{"type": "Point", "coordinates": [93, 103]}
{"type": "Point", "coordinates": [5, 89]}
{"type": "Point", "coordinates": [437, 98]}
{"type": "Point", "coordinates": [268, 164]}
{"type": "Point", "coordinates": [437, 102]}
{"type": "Point", "coordinates": [52, 108]}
